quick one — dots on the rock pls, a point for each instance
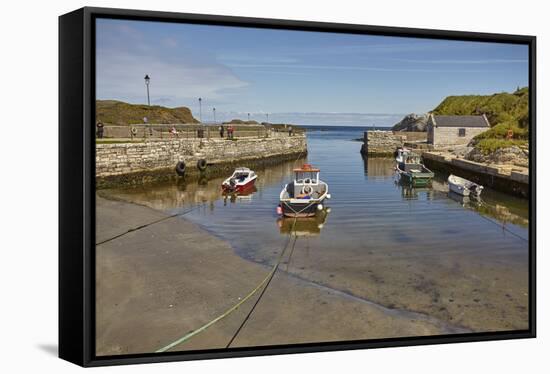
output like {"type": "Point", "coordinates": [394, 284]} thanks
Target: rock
{"type": "Point", "coordinates": [412, 122]}
{"type": "Point", "coordinates": [511, 155]}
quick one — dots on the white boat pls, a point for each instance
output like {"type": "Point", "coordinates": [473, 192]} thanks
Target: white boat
{"type": "Point", "coordinates": [463, 186]}
{"type": "Point", "coordinates": [241, 180]}
{"type": "Point", "coordinates": [304, 196]}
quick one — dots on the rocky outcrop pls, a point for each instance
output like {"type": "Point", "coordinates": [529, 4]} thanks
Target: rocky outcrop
{"type": "Point", "coordinates": [412, 122]}
{"type": "Point", "coordinates": [511, 155]}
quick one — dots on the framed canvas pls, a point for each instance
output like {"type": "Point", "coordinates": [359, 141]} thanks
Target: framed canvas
{"type": "Point", "coordinates": [237, 186]}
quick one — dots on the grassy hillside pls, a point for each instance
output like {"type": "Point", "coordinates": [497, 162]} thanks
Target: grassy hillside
{"type": "Point", "coordinates": [508, 108]}
{"type": "Point", "coordinates": [505, 111]}
{"type": "Point", "coordinates": [241, 122]}
{"type": "Point", "coordinates": [112, 112]}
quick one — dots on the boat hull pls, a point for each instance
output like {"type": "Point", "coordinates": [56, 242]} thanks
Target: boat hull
{"type": "Point", "coordinates": [227, 188]}
{"type": "Point", "coordinates": [460, 190]}
{"type": "Point", "coordinates": [417, 179]}
{"type": "Point", "coordinates": [300, 210]}
{"type": "Point", "coordinates": [464, 187]}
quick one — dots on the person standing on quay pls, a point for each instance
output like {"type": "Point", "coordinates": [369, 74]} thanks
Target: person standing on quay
{"type": "Point", "coordinates": [289, 130]}
{"type": "Point", "coordinates": [100, 129]}
{"type": "Point", "coordinates": [221, 131]}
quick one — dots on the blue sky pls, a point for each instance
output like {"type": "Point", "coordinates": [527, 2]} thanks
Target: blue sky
{"type": "Point", "coordinates": [294, 74]}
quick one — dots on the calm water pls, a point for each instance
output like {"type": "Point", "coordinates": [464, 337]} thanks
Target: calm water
{"type": "Point", "coordinates": [388, 243]}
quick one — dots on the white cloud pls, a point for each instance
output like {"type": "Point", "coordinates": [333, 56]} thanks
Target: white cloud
{"type": "Point", "coordinates": [124, 56]}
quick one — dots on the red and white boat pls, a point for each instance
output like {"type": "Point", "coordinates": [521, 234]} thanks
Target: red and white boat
{"type": "Point", "coordinates": [242, 179]}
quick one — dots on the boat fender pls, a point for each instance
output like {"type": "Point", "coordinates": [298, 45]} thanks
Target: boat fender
{"type": "Point", "coordinates": [201, 164]}
{"type": "Point", "coordinates": [279, 210]}
{"type": "Point", "coordinates": [328, 210]}
{"type": "Point", "coordinates": [328, 196]}
{"type": "Point", "coordinates": [320, 207]}
{"type": "Point", "coordinates": [180, 168]}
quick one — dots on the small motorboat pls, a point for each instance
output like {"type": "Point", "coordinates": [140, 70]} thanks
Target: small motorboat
{"type": "Point", "coordinates": [410, 169]}
{"type": "Point", "coordinates": [463, 186]}
{"type": "Point", "coordinates": [242, 179]}
{"type": "Point", "coordinates": [304, 196]}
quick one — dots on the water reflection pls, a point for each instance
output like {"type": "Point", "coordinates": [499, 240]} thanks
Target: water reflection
{"type": "Point", "coordinates": [170, 196]}
{"type": "Point", "coordinates": [241, 196]}
{"type": "Point", "coordinates": [378, 166]}
{"type": "Point", "coordinates": [502, 207]}
{"type": "Point", "coordinates": [306, 226]}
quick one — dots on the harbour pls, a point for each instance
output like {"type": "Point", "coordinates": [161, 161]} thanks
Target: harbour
{"type": "Point", "coordinates": [388, 259]}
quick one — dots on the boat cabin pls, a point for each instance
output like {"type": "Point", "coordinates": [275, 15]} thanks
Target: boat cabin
{"type": "Point", "coordinates": [306, 183]}
{"type": "Point", "coordinates": [407, 160]}
{"type": "Point", "coordinates": [240, 174]}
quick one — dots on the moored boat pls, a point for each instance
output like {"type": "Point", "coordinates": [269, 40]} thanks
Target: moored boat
{"type": "Point", "coordinates": [410, 168]}
{"type": "Point", "coordinates": [242, 179]}
{"type": "Point", "coordinates": [304, 196]}
{"type": "Point", "coordinates": [463, 186]}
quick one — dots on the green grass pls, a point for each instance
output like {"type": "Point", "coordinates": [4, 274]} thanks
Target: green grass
{"type": "Point", "coordinates": [505, 111]}
{"type": "Point", "coordinates": [112, 112]}
{"type": "Point", "coordinates": [490, 145]}
{"type": "Point", "coordinates": [510, 108]}
{"type": "Point", "coordinates": [500, 131]}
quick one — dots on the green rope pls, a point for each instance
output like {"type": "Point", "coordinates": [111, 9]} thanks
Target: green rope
{"type": "Point", "coordinates": [230, 310]}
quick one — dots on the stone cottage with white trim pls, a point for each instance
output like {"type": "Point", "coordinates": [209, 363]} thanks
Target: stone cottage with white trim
{"type": "Point", "coordinates": [445, 131]}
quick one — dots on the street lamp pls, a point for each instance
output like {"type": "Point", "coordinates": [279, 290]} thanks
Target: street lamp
{"type": "Point", "coordinates": [214, 110]}
{"type": "Point", "coordinates": [200, 109]}
{"type": "Point", "coordinates": [249, 117]}
{"type": "Point", "coordinates": [147, 79]}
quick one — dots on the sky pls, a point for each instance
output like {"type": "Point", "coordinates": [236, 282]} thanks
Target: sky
{"type": "Point", "coordinates": [296, 76]}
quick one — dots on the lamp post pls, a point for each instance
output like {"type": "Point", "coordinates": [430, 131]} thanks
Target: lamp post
{"type": "Point", "coordinates": [200, 109]}
{"type": "Point", "coordinates": [249, 117]}
{"type": "Point", "coordinates": [267, 117]}
{"type": "Point", "coordinates": [147, 79]}
{"type": "Point", "coordinates": [214, 110]}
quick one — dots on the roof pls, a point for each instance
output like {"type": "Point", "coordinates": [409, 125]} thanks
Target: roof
{"type": "Point", "coordinates": [306, 167]}
{"type": "Point", "coordinates": [460, 121]}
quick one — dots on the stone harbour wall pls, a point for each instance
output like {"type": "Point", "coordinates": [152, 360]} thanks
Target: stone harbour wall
{"type": "Point", "coordinates": [381, 143]}
{"type": "Point", "coordinates": [504, 178]}
{"type": "Point", "coordinates": [123, 159]}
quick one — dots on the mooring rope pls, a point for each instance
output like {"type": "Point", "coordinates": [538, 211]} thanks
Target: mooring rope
{"type": "Point", "coordinates": [265, 281]}
{"type": "Point", "coordinates": [499, 225]}
{"type": "Point", "coordinates": [262, 293]}
{"type": "Point", "coordinates": [149, 224]}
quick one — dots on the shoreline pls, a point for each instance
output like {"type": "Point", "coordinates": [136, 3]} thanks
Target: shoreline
{"type": "Point", "coordinates": [157, 283]}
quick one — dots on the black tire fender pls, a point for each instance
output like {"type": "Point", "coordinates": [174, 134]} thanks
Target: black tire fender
{"type": "Point", "coordinates": [201, 164]}
{"type": "Point", "coordinates": [180, 168]}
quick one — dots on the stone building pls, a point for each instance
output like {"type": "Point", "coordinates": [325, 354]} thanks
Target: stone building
{"type": "Point", "coordinates": [444, 131]}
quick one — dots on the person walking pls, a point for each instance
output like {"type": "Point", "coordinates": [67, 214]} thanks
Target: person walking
{"type": "Point", "coordinates": [221, 131]}
{"type": "Point", "coordinates": [289, 130]}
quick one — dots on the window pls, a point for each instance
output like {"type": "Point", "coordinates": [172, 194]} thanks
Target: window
{"type": "Point", "coordinates": [461, 132]}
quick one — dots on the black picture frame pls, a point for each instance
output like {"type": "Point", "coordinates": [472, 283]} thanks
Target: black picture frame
{"type": "Point", "coordinates": [77, 184]}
